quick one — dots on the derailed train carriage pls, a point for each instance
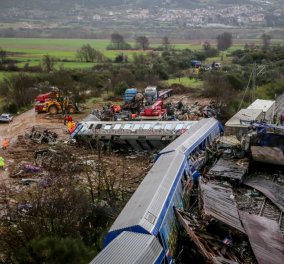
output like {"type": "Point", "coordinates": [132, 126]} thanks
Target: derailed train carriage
{"type": "Point", "coordinates": [146, 229]}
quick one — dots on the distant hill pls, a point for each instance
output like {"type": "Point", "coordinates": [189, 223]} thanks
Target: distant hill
{"type": "Point", "coordinates": [63, 4]}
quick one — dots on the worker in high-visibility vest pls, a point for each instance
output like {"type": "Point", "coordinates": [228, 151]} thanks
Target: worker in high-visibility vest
{"type": "Point", "coordinates": [2, 163]}
{"type": "Point", "coordinates": [71, 126]}
{"type": "Point", "coordinates": [5, 143]}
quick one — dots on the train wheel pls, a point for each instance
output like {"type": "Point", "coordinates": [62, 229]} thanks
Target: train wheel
{"type": "Point", "coordinates": [53, 110]}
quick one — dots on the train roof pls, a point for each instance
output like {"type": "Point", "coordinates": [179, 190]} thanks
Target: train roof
{"type": "Point", "coordinates": [264, 105]}
{"type": "Point", "coordinates": [147, 207]}
{"type": "Point", "coordinates": [173, 127]}
{"type": "Point", "coordinates": [194, 135]}
{"type": "Point", "coordinates": [130, 248]}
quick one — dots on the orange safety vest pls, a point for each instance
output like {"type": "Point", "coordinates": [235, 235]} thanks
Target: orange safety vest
{"type": "Point", "coordinates": [71, 126]}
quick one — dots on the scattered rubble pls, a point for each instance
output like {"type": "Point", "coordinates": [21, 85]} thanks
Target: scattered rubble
{"type": "Point", "coordinates": [265, 238]}
{"type": "Point", "coordinates": [45, 136]}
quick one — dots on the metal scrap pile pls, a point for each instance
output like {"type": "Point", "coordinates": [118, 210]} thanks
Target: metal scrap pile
{"type": "Point", "coordinates": [45, 136]}
{"type": "Point", "coordinates": [180, 111]}
{"type": "Point", "coordinates": [239, 223]}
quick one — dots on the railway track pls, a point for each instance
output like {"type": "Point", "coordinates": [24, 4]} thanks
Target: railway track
{"type": "Point", "coordinates": [270, 211]}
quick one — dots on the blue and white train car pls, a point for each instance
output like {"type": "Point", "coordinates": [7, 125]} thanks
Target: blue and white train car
{"type": "Point", "coordinates": [150, 210]}
{"type": "Point", "coordinates": [130, 247]}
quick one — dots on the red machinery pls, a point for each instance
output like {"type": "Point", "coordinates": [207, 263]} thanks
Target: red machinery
{"type": "Point", "coordinates": [155, 111]}
{"type": "Point", "coordinates": [41, 99]}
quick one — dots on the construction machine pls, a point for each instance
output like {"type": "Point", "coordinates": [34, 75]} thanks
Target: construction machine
{"type": "Point", "coordinates": [54, 103]}
{"type": "Point", "coordinates": [60, 105]}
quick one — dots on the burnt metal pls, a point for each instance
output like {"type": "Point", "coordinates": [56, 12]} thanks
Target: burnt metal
{"type": "Point", "coordinates": [265, 238]}
{"type": "Point", "coordinates": [272, 155]}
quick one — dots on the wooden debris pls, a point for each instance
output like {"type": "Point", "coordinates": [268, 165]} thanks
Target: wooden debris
{"type": "Point", "coordinates": [212, 248]}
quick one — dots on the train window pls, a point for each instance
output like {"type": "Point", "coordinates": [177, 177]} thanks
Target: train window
{"type": "Point", "coordinates": [178, 126]}
{"type": "Point", "coordinates": [117, 126]}
{"type": "Point", "coordinates": [136, 126]}
{"type": "Point", "coordinates": [91, 126]}
{"type": "Point", "coordinates": [98, 126]}
{"type": "Point", "coordinates": [127, 126]}
{"type": "Point", "coordinates": [147, 126]}
{"type": "Point", "coordinates": [158, 126]}
{"type": "Point", "coordinates": [107, 126]}
{"type": "Point", "coordinates": [168, 126]}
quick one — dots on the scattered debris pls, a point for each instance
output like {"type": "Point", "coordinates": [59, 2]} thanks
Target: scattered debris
{"type": "Point", "coordinates": [229, 169]}
{"type": "Point", "coordinates": [219, 202]}
{"type": "Point", "coordinates": [265, 238]}
{"type": "Point", "coordinates": [271, 190]}
{"type": "Point", "coordinates": [215, 243]}
{"type": "Point", "coordinates": [43, 137]}
{"type": "Point", "coordinates": [268, 155]}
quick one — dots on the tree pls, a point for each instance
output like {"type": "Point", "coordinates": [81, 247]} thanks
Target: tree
{"type": "Point", "coordinates": [118, 40]}
{"type": "Point", "coordinates": [166, 43]}
{"type": "Point", "coordinates": [120, 88]}
{"type": "Point", "coordinates": [48, 63]}
{"type": "Point", "coordinates": [206, 45]}
{"type": "Point", "coordinates": [118, 43]}
{"type": "Point", "coordinates": [3, 56]}
{"type": "Point", "coordinates": [142, 42]}
{"type": "Point", "coordinates": [224, 41]}
{"type": "Point", "coordinates": [18, 90]}
{"type": "Point", "coordinates": [89, 54]}
{"type": "Point", "coordinates": [265, 41]}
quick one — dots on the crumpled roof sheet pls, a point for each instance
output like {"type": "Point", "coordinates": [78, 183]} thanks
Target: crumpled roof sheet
{"type": "Point", "coordinates": [267, 155]}
{"type": "Point", "coordinates": [219, 203]}
{"type": "Point", "coordinates": [271, 190]}
{"type": "Point", "coordinates": [265, 238]}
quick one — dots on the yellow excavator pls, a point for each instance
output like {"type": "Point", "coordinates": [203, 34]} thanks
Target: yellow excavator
{"type": "Point", "coordinates": [60, 105]}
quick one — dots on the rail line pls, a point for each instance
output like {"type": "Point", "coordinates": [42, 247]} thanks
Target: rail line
{"type": "Point", "coordinates": [271, 211]}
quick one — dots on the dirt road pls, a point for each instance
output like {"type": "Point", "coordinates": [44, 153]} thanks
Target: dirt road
{"type": "Point", "coordinates": [23, 123]}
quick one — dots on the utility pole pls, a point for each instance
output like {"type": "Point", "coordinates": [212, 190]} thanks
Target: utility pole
{"type": "Point", "coordinates": [253, 82]}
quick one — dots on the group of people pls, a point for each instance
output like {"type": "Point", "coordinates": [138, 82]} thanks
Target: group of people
{"type": "Point", "coordinates": [67, 119]}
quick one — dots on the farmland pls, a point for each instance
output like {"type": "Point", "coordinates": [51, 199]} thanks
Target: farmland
{"type": "Point", "coordinates": [31, 50]}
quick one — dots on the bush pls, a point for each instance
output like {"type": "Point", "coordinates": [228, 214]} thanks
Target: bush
{"type": "Point", "coordinates": [11, 108]}
{"type": "Point", "coordinates": [55, 250]}
{"type": "Point", "coordinates": [120, 89]}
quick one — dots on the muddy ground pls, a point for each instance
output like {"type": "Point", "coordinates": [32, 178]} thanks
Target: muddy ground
{"type": "Point", "coordinates": [120, 168]}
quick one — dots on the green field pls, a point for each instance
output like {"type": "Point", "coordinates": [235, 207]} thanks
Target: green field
{"type": "Point", "coordinates": [31, 50]}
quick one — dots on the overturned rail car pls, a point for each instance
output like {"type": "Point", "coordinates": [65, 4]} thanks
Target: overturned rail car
{"type": "Point", "coordinates": [150, 211]}
{"type": "Point", "coordinates": [139, 135]}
